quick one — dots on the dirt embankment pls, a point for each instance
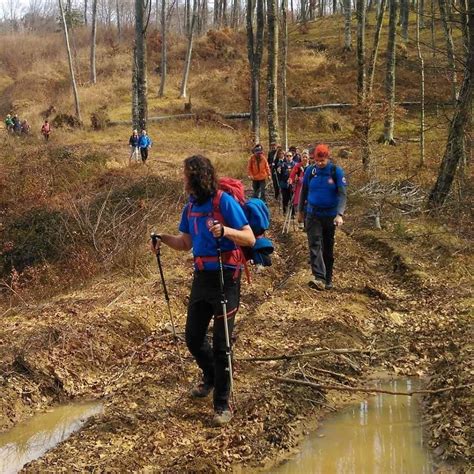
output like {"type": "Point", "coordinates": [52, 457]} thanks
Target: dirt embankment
{"type": "Point", "coordinates": [109, 340]}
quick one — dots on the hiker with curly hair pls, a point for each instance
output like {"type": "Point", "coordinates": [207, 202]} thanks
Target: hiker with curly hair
{"type": "Point", "coordinates": [199, 232]}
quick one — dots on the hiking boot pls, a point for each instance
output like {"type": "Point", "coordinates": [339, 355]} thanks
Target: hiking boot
{"type": "Point", "coordinates": [317, 284]}
{"type": "Point", "coordinates": [329, 285]}
{"type": "Point", "coordinates": [222, 417]}
{"type": "Point", "coordinates": [202, 390]}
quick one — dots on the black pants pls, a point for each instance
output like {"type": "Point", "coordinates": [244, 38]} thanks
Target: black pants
{"type": "Point", "coordinates": [276, 184]}
{"type": "Point", "coordinates": [285, 196]}
{"type": "Point", "coordinates": [204, 304]}
{"type": "Point", "coordinates": [144, 154]}
{"type": "Point", "coordinates": [259, 189]}
{"type": "Point", "coordinates": [320, 232]}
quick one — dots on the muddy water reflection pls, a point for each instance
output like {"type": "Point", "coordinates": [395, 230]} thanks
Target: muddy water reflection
{"type": "Point", "coordinates": [30, 440]}
{"type": "Point", "coordinates": [380, 435]}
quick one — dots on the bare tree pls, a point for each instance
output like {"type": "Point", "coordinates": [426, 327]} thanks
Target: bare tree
{"type": "Point", "coordinates": [404, 17]}
{"type": "Point", "coordinates": [69, 56]}
{"type": "Point", "coordinates": [164, 58]}
{"type": "Point", "coordinates": [139, 80]}
{"type": "Point", "coordinates": [254, 53]}
{"type": "Point", "coordinates": [422, 85]}
{"type": "Point", "coordinates": [347, 25]}
{"type": "Point", "coordinates": [389, 122]}
{"type": "Point", "coordinates": [443, 10]}
{"type": "Point", "coordinates": [284, 64]}
{"type": "Point", "coordinates": [272, 73]}
{"type": "Point", "coordinates": [93, 74]}
{"type": "Point", "coordinates": [455, 147]}
{"type": "Point", "coordinates": [361, 72]}
{"type": "Point", "coordinates": [85, 12]}
{"type": "Point", "coordinates": [189, 52]}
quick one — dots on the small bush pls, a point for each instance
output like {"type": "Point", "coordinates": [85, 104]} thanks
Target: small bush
{"type": "Point", "coordinates": [66, 120]}
{"type": "Point", "coordinates": [32, 238]}
{"type": "Point", "coordinates": [100, 118]}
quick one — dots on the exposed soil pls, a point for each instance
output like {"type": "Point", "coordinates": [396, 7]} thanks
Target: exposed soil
{"type": "Point", "coordinates": [111, 340]}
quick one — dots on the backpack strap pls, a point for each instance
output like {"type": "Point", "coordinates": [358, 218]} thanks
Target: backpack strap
{"type": "Point", "coordinates": [217, 215]}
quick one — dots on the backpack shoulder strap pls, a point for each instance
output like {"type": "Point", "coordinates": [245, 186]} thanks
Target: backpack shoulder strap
{"type": "Point", "coordinates": [216, 206]}
{"type": "Point", "coordinates": [334, 176]}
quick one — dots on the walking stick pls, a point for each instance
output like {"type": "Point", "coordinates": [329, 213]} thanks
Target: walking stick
{"type": "Point", "coordinates": [154, 240]}
{"type": "Point", "coordinates": [224, 312]}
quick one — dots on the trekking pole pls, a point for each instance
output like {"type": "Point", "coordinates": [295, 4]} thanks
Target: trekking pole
{"type": "Point", "coordinates": [154, 240]}
{"type": "Point", "coordinates": [224, 313]}
{"type": "Point", "coordinates": [286, 224]}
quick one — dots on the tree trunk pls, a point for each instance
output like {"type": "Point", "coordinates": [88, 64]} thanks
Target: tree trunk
{"type": "Point", "coordinates": [141, 84]}
{"type": "Point", "coordinates": [235, 13]}
{"type": "Point", "coordinates": [254, 53]}
{"type": "Point", "coordinates": [375, 49]}
{"type": "Point", "coordinates": [389, 122]}
{"type": "Point", "coordinates": [404, 16]}
{"type": "Point", "coordinates": [361, 73]}
{"type": "Point", "coordinates": [93, 74]}
{"type": "Point", "coordinates": [69, 57]}
{"type": "Point", "coordinates": [443, 11]}
{"type": "Point", "coordinates": [189, 52]}
{"type": "Point", "coordinates": [85, 12]}
{"type": "Point", "coordinates": [347, 25]}
{"type": "Point", "coordinates": [433, 34]}
{"type": "Point", "coordinates": [284, 63]}
{"type": "Point", "coordinates": [272, 73]}
{"type": "Point", "coordinates": [421, 12]}
{"type": "Point", "coordinates": [164, 58]}
{"type": "Point", "coordinates": [422, 86]}
{"type": "Point", "coordinates": [119, 20]}
{"type": "Point", "coordinates": [455, 151]}
{"type": "Point", "coordinates": [135, 113]}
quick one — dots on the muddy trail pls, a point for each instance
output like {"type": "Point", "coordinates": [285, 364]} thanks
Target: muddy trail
{"type": "Point", "coordinates": [110, 340]}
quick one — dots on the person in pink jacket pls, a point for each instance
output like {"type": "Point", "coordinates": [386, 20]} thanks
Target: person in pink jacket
{"type": "Point", "coordinates": [296, 179]}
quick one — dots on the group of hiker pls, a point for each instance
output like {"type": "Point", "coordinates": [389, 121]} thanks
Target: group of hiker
{"type": "Point", "coordinates": [16, 126]}
{"type": "Point", "coordinates": [220, 226]}
{"type": "Point", "coordinates": [139, 146]}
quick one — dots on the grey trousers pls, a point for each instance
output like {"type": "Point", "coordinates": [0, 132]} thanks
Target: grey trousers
{"type": "Point", "coordinates": [320, 231]}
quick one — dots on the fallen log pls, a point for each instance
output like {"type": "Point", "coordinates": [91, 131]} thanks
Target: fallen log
{"type": "Point", "coordinates": [163, 118]}
{"type": "Point", "coordinates": [318, 353]}
{"type": "Point", "coordinates": [366, 389]}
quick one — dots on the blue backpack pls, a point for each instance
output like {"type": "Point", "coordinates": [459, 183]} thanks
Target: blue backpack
{"type": "Point", "coordinates": [258, 216]}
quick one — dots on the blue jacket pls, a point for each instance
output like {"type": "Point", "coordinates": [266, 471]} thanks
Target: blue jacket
{"type": "Point", "coordinates": [196, 220]}
{"type": "Point", "coordinates": [144, 141]}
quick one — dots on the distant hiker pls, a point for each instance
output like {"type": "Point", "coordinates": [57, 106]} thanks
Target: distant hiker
{"type": "Point", "coordinates": [46, 130]}
{"type": "Point", "coordinates": [25, 127]}
{"type": "Point", "coordinates": [284, 168]}
{"type": "Point", "coordinates": [16, 124]}
{"type": "Point", "coordinates": [258, 171]}
{"type": "Point", "coordinates": [134, 148]}
{"type": "Point", "coordinates": [199, 233]}
{"type": "Point", "coordinates": [295, 154]}
{"type": "Point", "coordinates": [323, 198]}
{"type": "Point", "coordinates": [9, 123]}
{"type": "Point", "coordinates": [272, 160]}
{"type": "Point", "coordinates": [144, 143]}
{"type": "Point", "coordinates": [296, 179]}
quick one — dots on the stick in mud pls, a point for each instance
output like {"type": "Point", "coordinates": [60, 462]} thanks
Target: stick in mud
{"type": "Point", "coordinates": [366, 389]}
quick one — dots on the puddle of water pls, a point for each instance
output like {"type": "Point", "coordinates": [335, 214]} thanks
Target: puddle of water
{"type": "Point", "coordinates": [30, 440]}
{"type": "Point", "coordinates": [379, 435]}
